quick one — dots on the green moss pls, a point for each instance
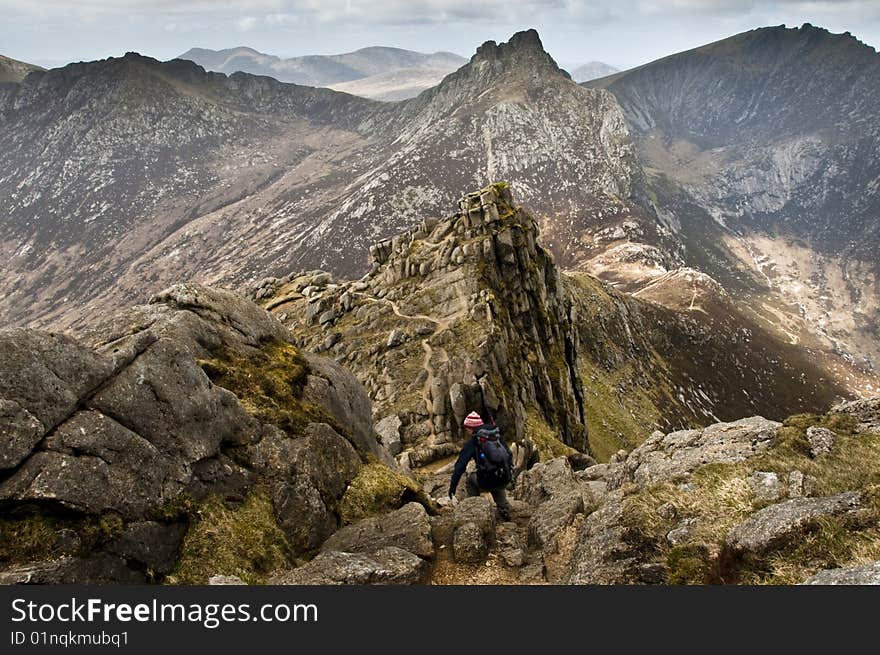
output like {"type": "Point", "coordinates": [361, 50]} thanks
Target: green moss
{"type": "Point", "coordinates": [243, 540]}
{"type": "Point", "coordinates": [269, 385]}
{"type": "Point", "coordinates": [375, 489]}
{"type": "Point", "coordinates": [35, 536]}
{"type": "Point", "coordinates": [179, 508]}
{"type": "Point", "coordinates": [504, 210]}
{"type": "Point", "coordinates": [688, 564]}
{"type": "Point", "coordinates": [26, 539]}
{"type": "Point", "coordinates": [95, 530]}
{"type": "Point", "coordinates": [544, 437]}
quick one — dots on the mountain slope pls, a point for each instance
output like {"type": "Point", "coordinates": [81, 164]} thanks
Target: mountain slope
{"type": "Point", "coordinates": [476, 297]}
{"type": "Point", "coordinates": [322, 70]}
{"type": "Point", "coordinates": [12, 70]}
{"type": "Point", "coordinates": [256, 178]}
{"type": "Point", "coordinates": [149, 147]}
{"type": "Point", "coordinates": [510, 114]}
{"type": "Point", "coordinates": [327, 172]}
{"type": "Point", "coordinates": [773, 137]}
{"type": "Point", "coordinates": [796, 106]}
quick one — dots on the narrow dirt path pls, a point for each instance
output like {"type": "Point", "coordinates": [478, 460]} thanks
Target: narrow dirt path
{"type": "Point", "coordinates": [442, 325]}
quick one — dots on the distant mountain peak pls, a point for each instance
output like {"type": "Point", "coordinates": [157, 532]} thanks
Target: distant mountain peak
{"type": "Point", "coordinates": [522, 47]}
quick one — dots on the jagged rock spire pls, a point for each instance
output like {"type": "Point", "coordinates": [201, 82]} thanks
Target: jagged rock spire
{"type": "Point", "coordinates": [522, 49]}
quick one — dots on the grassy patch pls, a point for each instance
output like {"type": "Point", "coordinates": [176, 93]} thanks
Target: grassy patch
{"type": "Point", "coordinates": [851, 465]}
{"type": "Point", "coordinates": [243, 540]}
{"type": "Point", "coordinates": [622, 393]}
{"type": "Point", "coordinates": [181, 507]}
{"type": "Point", "coordinates": [375, 489]}
{"type": "Point", "coordinates": [720, 498]}
{"type": "Point", "coordinates": [688, 564]}
{"type": "Point", "coordinates": [615, 419]}
{"type": "Point", "coordinates": [269, 385]}
{"type": "Point", "coordinates": [545, 438]}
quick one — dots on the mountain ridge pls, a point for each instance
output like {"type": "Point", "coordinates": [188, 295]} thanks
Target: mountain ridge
{"type": "Point", "coordinates": [195, 439]}
{"type": "Point", "coordinates": [773, 135]}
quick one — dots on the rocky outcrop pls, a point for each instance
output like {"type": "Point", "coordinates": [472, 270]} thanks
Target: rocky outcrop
{"type": "Point", "coordinates": [729, 503]}
{"type": "Point", "coordinates": [607, 549]}
{"type": "Point", "coordinates": [869, 574]}
{"type": "Point", "coordinates": [768, 526]}
{"type": "Point", "coordinates": [556, 496]}
{"type": "Point", "coordinates": [389, 565]}
{"type": "Point", "coordinates": [676, 455]}
{"type": "Point", "coordinates": [101, 568]}
{"type": "Point", "coordinates": [454, 312]}
{"type": "Point", "coordinates": [766, 486]}
{"type": "Point", "coordinates": [473, 307]}
{"type": "Point", "coordinates": [474, 529]}
{"type": "Point", "coordinates": [198, 394]}
{"type": "Point", "coordinates": [407, 528]}
{"type": "Point", "coordinates": [866, 412]}
{"type": "Point", "coordinates": [308, 477]}
{"type": "Point", "coordinates": [821, 440]}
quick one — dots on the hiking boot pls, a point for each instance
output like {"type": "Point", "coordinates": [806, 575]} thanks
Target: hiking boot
{"type": "Point", "coordinates": [504, 514]}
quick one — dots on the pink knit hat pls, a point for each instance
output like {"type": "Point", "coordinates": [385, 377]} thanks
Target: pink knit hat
{"type": "Point", "coordinates": [473, 420]}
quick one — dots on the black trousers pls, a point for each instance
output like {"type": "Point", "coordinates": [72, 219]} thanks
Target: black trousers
{"type": "Point", "coordinates": [499, 494]}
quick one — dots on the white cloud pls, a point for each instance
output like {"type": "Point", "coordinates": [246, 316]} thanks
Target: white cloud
{"type": "Point", "coordinates": [246, 23]}
{"type": "Point", "coordinates": [415, 12]}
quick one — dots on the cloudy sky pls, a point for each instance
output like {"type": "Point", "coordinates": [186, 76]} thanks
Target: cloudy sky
{"type": "Point", "coordinates": [623, 33]}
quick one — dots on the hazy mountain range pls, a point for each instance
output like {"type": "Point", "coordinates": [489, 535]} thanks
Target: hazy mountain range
{"type": "Point", "coordinates": [380, 72]}
{"type": "Point", "coordinates": [591, 71]}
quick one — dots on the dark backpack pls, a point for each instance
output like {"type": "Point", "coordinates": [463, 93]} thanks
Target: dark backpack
{"type": "Point", "coordinates": [494, 462]}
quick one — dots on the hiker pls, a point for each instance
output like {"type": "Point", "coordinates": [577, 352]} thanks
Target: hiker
{"type": "Point", "coordinates": [494, 463]}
